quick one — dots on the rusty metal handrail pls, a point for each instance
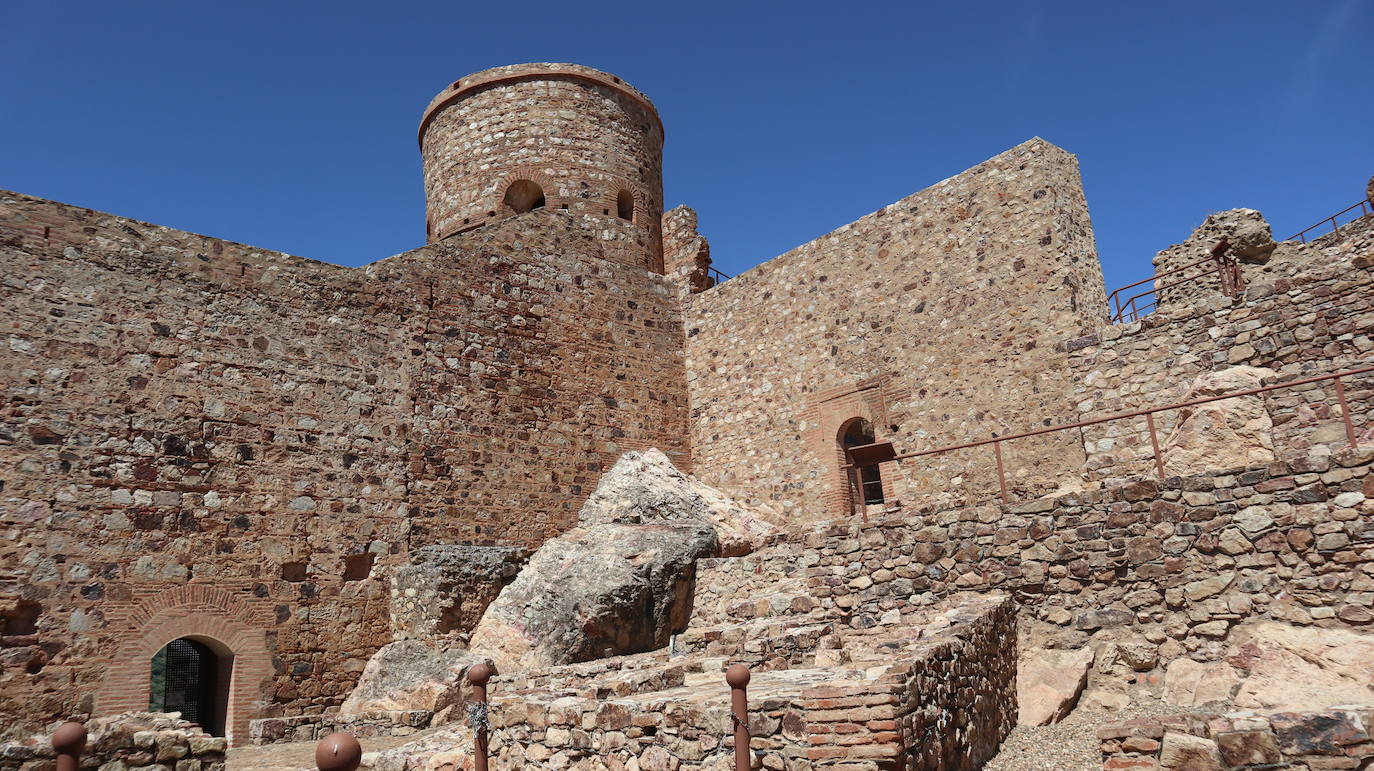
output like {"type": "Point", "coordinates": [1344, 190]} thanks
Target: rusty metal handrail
{"type": "Point", "coordinates": [1128, 309]}
{"type": "Point", "coordinates": [1365, 206]}
{"type": "Point", "coordinates": [716, 275]}
{"type": "Point", "coordinates": [1149, 414]}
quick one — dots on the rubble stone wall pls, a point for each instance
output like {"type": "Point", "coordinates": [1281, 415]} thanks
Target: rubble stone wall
{"type": "Point", "coordinates": [935, 318]}
{"type": "Point", "coordinates": [1307, 311]}
{"type": "Point", "coordinates": [184, 410]}
{"type": "Point", "coordinates": [150, 741]}
{"type": "Point", "coordinates": [957, 680]}
{"type": "Point", "coordinates": [1182, 559]}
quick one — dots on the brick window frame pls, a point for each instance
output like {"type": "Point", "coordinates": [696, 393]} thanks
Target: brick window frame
{"type": "Point", "coordinates": [225, 622]}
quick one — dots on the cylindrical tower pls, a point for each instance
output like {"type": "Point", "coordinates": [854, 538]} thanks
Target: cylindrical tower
{"type": "Point", "coordinates": [564, 137]}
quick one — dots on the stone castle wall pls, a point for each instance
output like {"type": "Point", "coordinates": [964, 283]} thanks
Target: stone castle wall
{"type": "Point", "coordinates": [1181, 560]}
{"type": "Point", "coordinates": [935, 318]}
{"type": "Point", "coordinates": [188, 411]}
{"type": "Point", "coordinates": [1306, 312]}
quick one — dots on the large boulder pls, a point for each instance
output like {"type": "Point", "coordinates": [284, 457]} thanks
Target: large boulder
{"type": "Point", "coordinates": [1228, 433]}
{"type": "Point", "coordinates": [1048, 684]}
{"type": "Point", "coordinates": [646, 487]}
{"type": "Point", "coordinates": [622, 580]}
{"type": "Point", "coordinates": [596, 591]}
{"type": "Point", "coordinates": [412, 675]}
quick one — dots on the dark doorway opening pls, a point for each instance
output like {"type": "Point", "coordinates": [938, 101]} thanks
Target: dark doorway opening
{"type": "Point", "coordinates": [189, 677]}
{"type": "Point", "coordinates": [854, 433]}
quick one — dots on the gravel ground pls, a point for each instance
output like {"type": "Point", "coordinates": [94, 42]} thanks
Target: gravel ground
{"type": "Point", "coordinates": [293, 756]}
{"type": "Point", "coordinates": [1070, 745]}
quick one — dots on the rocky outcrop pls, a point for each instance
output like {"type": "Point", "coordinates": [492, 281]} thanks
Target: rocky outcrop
{"type": "Point", "coordinates": [412, 675]}
{"type": "Point", "coordinates": [445, 588]}
{"type": "Point", "coordinates": [1277, 667]}
{"type": "Point", "coordinates": [1048, 684]}
{"type": "Point", "coordinates": [646, 487]}
{"type": "Point", "coordinates": [596, 591]}
{"type": "Point", "coordinates": [1301, 668]}
{"type": "Point", "coordinates": [1228, 433]}
{"type": "Point", "coordinates": [624, 576]}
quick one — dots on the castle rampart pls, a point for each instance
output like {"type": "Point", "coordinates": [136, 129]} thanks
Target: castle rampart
{"type": "Point", "coordinates": [934, 319]}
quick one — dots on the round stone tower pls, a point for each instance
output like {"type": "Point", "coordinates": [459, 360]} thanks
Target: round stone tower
{"type": "Point", "coordinates": [563, 137]}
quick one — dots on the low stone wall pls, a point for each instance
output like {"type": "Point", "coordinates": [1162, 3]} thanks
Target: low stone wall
{"type": "Point", "coordinates": [147, 741]}
{"type": "Point", "coordinates": [890, 698]}
{"type": "Point", "coordinates": [1182, 559]}
{"type": "Point", "coordinates": [893, 696]}
{"type": "Point", "coordinates": [308, 728]}
{"type": "Point", "coordinates": [1333, 738]}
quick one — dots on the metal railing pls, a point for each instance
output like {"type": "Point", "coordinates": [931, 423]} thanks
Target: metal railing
{"type": "Point", "coordinates": [1131, 308]}
{"type": "Point", "coordinates": [1149, 414]}
{"type": "Point", "coordinates": [1366, 207]}
{"type": "Point", "coordinates": [716, 276]}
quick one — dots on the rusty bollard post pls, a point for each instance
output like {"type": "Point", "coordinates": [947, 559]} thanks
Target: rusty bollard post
{"type": "Point", "coordinates": [478, 675]}
{"type": "Point", "coordinates": [338, 752]}
{"type": "Point", "coordinates": [69, 741]}
{"type": "Point", "coordinates": [737, 676]}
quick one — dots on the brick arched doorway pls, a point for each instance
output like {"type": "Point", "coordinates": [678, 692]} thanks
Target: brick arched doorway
{"type": "Point", "coordinates": [217, 623]}
{"type": "Point", "coordinates": [191, 675]}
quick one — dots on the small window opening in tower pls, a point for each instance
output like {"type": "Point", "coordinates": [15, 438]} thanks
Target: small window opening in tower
{"type": "Point", "coordinates": [524, 195]}
{"type": "Point", "coordinates": [856, 432]}
{"type": "Point", "coordinates": [190, 677]}
{"type": "Point", "coordinates": [625, 205]}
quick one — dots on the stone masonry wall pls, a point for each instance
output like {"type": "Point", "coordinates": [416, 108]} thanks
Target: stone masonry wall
{"type": "Point", "coordinates": [149, 740]}
{"type": "Point", "coordinates": [184, 410]}
{"type": "Point", "coordinates": [1307, 311]}
{"type": "Point", "coordinates": [935, 692]}
{"type": "Point", "coordinates": [581, 135]}
{"type": "Point", "coordinates": [935, 318]}
{"type": "Point", "coordinates": [1182, 559]}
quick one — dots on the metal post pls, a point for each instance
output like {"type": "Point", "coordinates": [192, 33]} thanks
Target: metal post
{"type": "Point", "coordinates": [69, 740]}
{"type": "Point", "coordinates": [737, 676]}
{"type": "Point", "coordinates": [478, 676]}
{"type": "Point", "coordinates": [1154, 443]}
{"type": "Point", "coordinates": [338, 752]}
{"type": "Point", "coordinates": [1345, 413]}
{"type": "Point", "coordinates": [1001, 474]}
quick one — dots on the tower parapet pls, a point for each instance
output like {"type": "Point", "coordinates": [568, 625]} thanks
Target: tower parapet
{"type": "Point", "coordinates": [562, 137]}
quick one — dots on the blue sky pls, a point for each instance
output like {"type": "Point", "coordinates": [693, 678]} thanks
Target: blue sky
{"type": "Point", "coordinates": [291, 125]}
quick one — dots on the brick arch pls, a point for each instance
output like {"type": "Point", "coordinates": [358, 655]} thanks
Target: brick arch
{"type": "Point", "coordinates": [545, 183]}
{"type": "Point", "coordinates": [213, 616]}
{"type": "Point", "coordinates": [826, 414]}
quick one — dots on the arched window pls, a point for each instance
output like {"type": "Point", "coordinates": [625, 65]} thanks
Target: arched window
{"type": "Point", "coordinates": [524, 195]}
{"type": "Point", "coordinates": [625, 205]}
{"type": "Point", "coordinates": [854, 433]}
{"type": "Point", "coordinates": [191, 677]}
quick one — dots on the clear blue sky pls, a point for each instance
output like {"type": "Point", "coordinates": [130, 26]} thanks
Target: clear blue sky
{"type": "Point", "coordinates": [291, 125]}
